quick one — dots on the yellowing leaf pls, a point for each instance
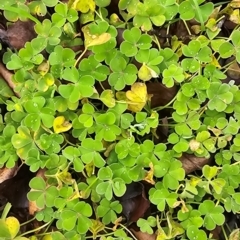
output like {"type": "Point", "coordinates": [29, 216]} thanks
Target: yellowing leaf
{"type": "Point", "coordinates": [43, 68]}
{"type": "Point", "coordinates": [194, 181]}
{"type": "Point", "coordinates": [121, 96]}
{"type": "Point", "coordinates": [61, 125]}
{"type": "Point", "coordinates": [175, 228]}
{"type": "Point", "coordinates": [13, 226]}
{"type": "Point", "coordinates": [137, 97]}
{"type": "Point", "coordinates": [82, 5]}
{"type": "Point", "coordinates": [235, 4]}
{"type": "Point", "coordinates": [234, 17]}
{"type": "Point", "coordinates": [161, 235]}
{"type": "Point", "coordinates": [215, 62]}
{"type": "Point", "coordinates": [107, 98]}
{"type": "Point", "coordinates": [100, 39]}
{"type": "Point", "coordinates": [149, 175]}
{"type": "Point", "coordinates": [90, 169]}
{"type": "Point", "coordinates": [235, 234]}
{"type": "Point", "coordinates": [96, 227]}
{"type": "Point", "coordinates": [144, 73]}
{"type": "Point", "coordinates": [93, 40]}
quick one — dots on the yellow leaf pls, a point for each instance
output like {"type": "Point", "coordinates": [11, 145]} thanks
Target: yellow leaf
{"type": "Point", "coordinates": [100, 39]}
{"type": "Point", "coordinates": [43, 68]}
{"type": "Point", "coordinates": [215, 62]}
{"type": "Point", "coordinates": [194, 181]}
{"type": "Point", "coordinates": [92, 39]}
{"type": "Point", "coordinates": [82, 5]}
{"type": "Point", "coordinates": [13, 226]}
{"type": "Point", "coordinates": [161, 235]}
{"type": "Point", "coordinates": [235, 4]}
{"type": "Point", "coordinates": [96, 227]}
{"type": "Point", "coordinates": [137, 97]}
{"type": "Point", "coordinates": [175, 43]}
{"type": "Point", "coordinates": [107, 97]}
{"type": "Point", "coordinates": [149, 175]}
{"type": "Point", "coordinates": [90, 169]}
{"type": "Point", "coordinates": [47, 237]}
{"type": "Point", "coordinates": [234, 17]}
{"type": "Point", "coordinates": [144, 73]}
{"type": "Point", "coordinates": [61, 125]}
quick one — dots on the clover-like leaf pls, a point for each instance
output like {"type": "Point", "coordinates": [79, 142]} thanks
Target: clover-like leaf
{"type": "Point", "coordinates": [107, 210]}
{"type": "Point", "coordinates": [23, 141]}
{"type": "Point", "coordinates": [213, 215]}
{"type": "Point", "coordinates": [161, 196]}
{"type": "Point", "coordinates": [219, 96]}
{"type": "Point", "coordinates": [134, 41]}
{"type": "Point", "coordinates": [123, 73]}
{"type": "Point", "coordinates": [173, 73]}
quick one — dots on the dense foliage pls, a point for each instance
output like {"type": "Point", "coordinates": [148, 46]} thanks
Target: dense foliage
{"type": "Point", "coordinates": [112, 93]}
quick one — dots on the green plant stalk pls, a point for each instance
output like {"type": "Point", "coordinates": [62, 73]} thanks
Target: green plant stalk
{"type": "Point", "coordinates": [189, 32]}
{"type": "Point", "coordinates": [78, 59]}
{"type": "Point", "coordinates": [167, 105]}
{"type": "Point", "coordinates": [22, 13]}
{"type": "Point", "coordinates": [224, 233]}
{"type": "Point", "coordinates": [27, 221]}
{"type": "Point", "coordinates": [128, 231]}
{"type": "Point", "coordinates": [199, 14]}
{"type": "Point", "coordinates": [6, 210]}
{"type": "Point", "coordinates": [36, 229]}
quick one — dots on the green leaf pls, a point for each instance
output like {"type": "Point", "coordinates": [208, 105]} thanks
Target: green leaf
{"type": "Point", "coordinates": [213, 215]}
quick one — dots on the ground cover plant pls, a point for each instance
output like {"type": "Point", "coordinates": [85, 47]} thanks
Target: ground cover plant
{"type": "Point", "coordinates": [119, 119]}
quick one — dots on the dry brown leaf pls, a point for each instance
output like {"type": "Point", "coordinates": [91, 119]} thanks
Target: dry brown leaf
{"type": "Point", "coordinates": [143, 236]}
{"type": "Point", "coordinates": [161, 95]}
{"type": "Point", "coordinates": [7, 173]}
{"type": "Point", "coordinates": [7, 76]}
{"type": "Point", "coordinates": [191, 163]}
{"type": "Point", "coordinates": [134, 201]}
{"type": "Point", "coordinates": [20, 32]}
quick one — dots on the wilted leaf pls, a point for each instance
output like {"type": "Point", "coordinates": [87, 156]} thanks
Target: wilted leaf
{"type": "Point", "coordinates": [61, 125]}
{"type": "Point", "coordinates": [235, 235]}
{"type": "Point", "coordinates": [143, 236]}
{"type": "Point", "coordinates": [93, 40]}
{"type": "Point", "coordinates": [96, 227]}
{"type": "Point", "coordinates": [134, 201]}
{"type": "Point", "coordinates": [137, 97]}
{"type": "Point", "coordinates": [149, 175]}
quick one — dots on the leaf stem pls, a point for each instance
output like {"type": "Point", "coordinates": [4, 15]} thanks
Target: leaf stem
{"type": "Point", "coordinates": [128, 231]}
{"type": "Point", "coordinates": [32, 219]}
{"type": "Point", "coordinates": [189, 32]}
{"type": "Point", "coordinates": [224, 233]}
{"type": "Point", "coordinates": [6, 210]}
{"type": "Point", "coordinates": [36, 229]}
{"type": "Point", "coordinates": [167, 105]}
{"type": "Point", "coordinates": [22, 13]}
{"type": "Point", "coordinates": [78, 59]}
{"type": "Point", "coordinates": [199, 14]}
